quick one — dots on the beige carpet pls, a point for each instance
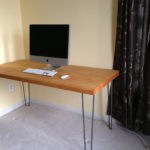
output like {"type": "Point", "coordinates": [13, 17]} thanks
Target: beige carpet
{"type": "Point", "coordinates": [44, 128]}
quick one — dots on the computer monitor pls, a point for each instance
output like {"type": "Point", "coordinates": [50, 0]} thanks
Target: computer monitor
{"type": "Point", "coordinates": [49, 43]}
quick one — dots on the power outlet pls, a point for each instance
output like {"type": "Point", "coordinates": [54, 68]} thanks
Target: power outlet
{"type": "Point", "coordinates": [10, 87]}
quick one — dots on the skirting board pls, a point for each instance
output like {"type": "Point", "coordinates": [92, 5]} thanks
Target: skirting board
{"type": "Point", "coordinates": [69, 109]}
{"type": "Point", "coordinates": [11, 108]}
{"type": "Point", "coordinates": [64, 108]}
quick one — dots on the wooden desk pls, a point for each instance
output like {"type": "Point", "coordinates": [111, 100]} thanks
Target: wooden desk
{"type": "Point", "coordinates": [85, 80]}
{"type": "Point", "coordinates": [82, 79]}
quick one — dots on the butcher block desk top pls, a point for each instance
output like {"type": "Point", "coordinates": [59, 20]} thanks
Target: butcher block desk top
{"type": "Point", "coordinates": [86, 80]}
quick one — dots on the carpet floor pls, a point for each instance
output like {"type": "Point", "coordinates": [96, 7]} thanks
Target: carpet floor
{"type": "Point", "coordinates": [41, 127]}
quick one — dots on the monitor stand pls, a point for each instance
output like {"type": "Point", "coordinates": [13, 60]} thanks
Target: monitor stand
{"type": "Point", "coordinates": [51, 67]}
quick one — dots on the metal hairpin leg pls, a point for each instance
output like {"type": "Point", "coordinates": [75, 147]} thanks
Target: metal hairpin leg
{"type": "Point", "coordinates": [110, 104]}
{"type": "Point", "coordinates": [84, 136]}
{"type": "Point", "coordinates": [92, 121]}
{"type": "Point", "coordinates": [26, 104]}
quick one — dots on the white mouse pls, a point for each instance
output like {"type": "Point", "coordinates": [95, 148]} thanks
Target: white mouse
{"type": "Point", "coordinates": [64, 76]}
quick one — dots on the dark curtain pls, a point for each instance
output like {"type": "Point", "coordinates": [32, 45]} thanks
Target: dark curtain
{"type": "Point", "coordinates": [131, 91]}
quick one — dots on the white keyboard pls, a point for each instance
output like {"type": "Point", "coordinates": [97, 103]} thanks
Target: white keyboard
{"type": "Point", "coordinates": [40, 72]}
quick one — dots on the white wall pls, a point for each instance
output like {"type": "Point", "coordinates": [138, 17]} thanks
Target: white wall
{"type": "Point", "coordinates": [11, 47]}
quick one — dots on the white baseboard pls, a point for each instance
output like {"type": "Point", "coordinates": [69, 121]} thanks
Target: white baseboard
{"type": "Point", "coordinates": [69, 109]}
{"type": "Point", "coordinates": [11, 108]}
{"type": "Point", "coordinates": [64, 108]}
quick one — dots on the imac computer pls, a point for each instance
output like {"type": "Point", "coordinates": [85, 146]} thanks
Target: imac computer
{"type": "Point", "coordinates": [49, 43]}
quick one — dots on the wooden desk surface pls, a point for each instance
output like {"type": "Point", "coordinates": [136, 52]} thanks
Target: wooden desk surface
{"type": "Point", "coordinates": [82, 79]}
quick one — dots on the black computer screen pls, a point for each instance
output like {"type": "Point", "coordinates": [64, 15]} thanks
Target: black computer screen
{"type": "Point", "coordinates": [49, 40]}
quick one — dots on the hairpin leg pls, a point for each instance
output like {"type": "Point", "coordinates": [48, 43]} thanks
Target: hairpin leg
{"type": "Point", "coordinates": [29, 93]}
{"type": "Point", "coordinates": [110, 104]}
{"type": "Point", "coordinates": [84, 136]}
{"type": "Point", "coordinates": [26, 104]}
{"type": "Point", "coordinates": [92, 122]}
